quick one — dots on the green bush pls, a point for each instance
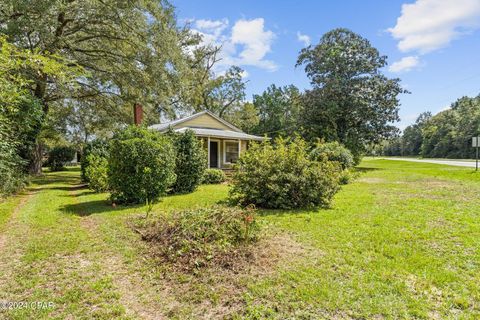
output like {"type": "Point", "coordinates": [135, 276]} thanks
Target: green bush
{"type": "Point", "coordinates": [98, 147]}
{"type": "Point", "coordinates": [213, 176]}
{"type": "Point", "coordinates": [12, 168]}
{"type": "Point", "coordinates": [58, 157]}
{"type": "Point", "coordinates": [333, 151]}
{"type": "Point", "coordinates": [141, 165]}
{"type": "Point", "coordinates": [190, 163]}
{"type": "Point", "coordinates": [198, 237]}
{"type": "Point", "coordinates": [96, 172]}
{"type": "Point", "coordinates": [281, 175]}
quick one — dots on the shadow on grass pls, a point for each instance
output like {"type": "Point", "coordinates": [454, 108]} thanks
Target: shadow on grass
{"type": "Point", "coordinates": [366, 169]}
{"type": "Point", "coordinates": [84, 209]}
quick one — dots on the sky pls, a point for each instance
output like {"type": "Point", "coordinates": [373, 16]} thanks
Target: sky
{"type": "Point", "coordinates": [433, 46]}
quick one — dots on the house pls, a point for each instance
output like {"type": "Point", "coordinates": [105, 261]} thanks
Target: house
{"type": "Point", "coordinates": [223, 141]}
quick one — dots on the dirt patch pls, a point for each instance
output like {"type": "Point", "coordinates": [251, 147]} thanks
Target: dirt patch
{"type": "Point", "coordinates": [372, 180]}
{"type": "Point", "coordinates": [217, 292]}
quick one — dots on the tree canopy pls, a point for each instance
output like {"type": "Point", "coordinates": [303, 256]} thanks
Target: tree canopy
{"type": "Point", "coordinates": [351, 101]}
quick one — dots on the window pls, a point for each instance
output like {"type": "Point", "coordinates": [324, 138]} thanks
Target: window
{"type": "Point", "coordinates": [231, 151]}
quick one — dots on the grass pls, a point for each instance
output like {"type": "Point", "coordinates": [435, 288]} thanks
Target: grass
{"type": "Point", "coordinates": [402, 241]}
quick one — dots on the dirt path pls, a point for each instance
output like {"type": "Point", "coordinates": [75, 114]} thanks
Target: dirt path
{"type": "Point", "coordinates": [138, 299]}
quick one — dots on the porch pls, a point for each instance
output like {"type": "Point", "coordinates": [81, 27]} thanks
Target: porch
{"type": "Point", "coordinates": [223, 153]}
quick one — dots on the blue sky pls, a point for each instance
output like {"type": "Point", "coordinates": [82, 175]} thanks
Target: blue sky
{"type": "Point", "coordinates": [433, 45]}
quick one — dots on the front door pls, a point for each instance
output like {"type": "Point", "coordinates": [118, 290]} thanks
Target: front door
{"type": "Point", "coordinates": [213, 154]}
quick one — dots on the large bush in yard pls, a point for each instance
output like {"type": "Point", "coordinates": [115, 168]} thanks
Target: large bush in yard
{"type": "Point", "coordinates": [98, 148]}
{"type": "Point", "coordinates": [59, 156]}
{"type": "Point", "coordinates": [141, 165]}
{"type": "Point", "coordinates": [213, 176]}
{"type": "Point", "coordinates": [190, 161]}
{"type": "Point", "coordinates": [96, 172]}
{"type": "Point", "coordinates": [333, 151]}
{"type": "Point", "coordinates": [281, 175]}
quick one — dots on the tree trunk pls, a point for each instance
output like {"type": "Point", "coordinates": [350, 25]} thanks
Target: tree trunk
{"type": "Point", "coordinates": [37, 152]}
{"type": "Point", "coordinates": [36, 159]}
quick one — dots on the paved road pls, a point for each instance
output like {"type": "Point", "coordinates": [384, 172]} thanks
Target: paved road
{"type": "Point", "coordinates": [452, 162]}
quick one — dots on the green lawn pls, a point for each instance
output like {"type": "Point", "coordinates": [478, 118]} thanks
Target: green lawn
{"type": "Point", "coordinates": [402, 241]}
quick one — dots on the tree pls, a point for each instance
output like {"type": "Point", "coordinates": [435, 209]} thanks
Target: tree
{"type": "Point", "coordinates": [20, 111]}
{"type": "Point", "coordinates": [448, 134]}
{"type": "Point", "coordinates": [278, 110]}
{"type": "Point", "coordinates": [244, 116]}
{"type": "Point", "coordinates": [351, 100]}
{"type": "Point", "coordinates": [132, 51]}
{"type": "Point", "coordinates": [412, 137]}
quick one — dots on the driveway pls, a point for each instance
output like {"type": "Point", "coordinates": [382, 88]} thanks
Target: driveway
{"type": "Point", "coordinates": [450, 162]}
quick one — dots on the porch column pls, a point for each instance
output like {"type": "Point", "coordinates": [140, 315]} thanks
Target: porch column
{"type": "Point", "coordinates": [239, 146]}
{"type": "Point", "coordinates": [208, 153]}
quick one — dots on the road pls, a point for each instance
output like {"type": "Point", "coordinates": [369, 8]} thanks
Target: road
{"type": "Point", "coordinates": [450, 162]}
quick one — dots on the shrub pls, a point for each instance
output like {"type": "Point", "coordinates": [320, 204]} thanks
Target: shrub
{"type": "Point", "coordinates": [59, 156]}
{"type": "Point", "coordinates": [190, 163]}
{"type": "Point", "coordinates": [12, 168]}
{"type": "Point", "coordinates": [199, 237]}
{"type": "Point", "coordinates": [141, 165]}
{"type": "Point", "coordinates": [213, 176]}
{"type": "Point", "coordinates": [98, 147]}
{"type": "Point", "coordinates": [283, 176]}
{"type": "Point", "coordinates": [96, 172]}
{"type": "Point", "coordinates": [333, 151]}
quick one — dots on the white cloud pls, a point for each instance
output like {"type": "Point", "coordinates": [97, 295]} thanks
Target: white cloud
{"type": "Point", "coordinates": [246, 44]}
{"type": "Point", "coordinates": [428, 25]}
{"type": "Point", "coordinates": [404, 64]}
{"type": "Point", "coordinates": [303, 38]}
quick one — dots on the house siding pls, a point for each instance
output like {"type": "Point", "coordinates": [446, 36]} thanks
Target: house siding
{"type": "Point", "coordinates": [203, 121]}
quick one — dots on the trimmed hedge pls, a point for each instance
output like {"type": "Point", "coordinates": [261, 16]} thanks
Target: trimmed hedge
{"type": "Point", "coordinates": [213, 176]}
{"type": "Point", "coordinates": [99, 148]}
{"type": "Point", "coordinates": [58, 157]}
{"type": "Point", "coordinates": [190, 161]}
{"type": "Point", "coordinates": [96, 172]}
{"type": "Point", "coordinates": [282, 175]}
{"type": "Point", "coordinates": [141, 165]}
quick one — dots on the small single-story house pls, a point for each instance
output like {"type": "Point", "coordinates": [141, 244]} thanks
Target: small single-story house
{"type": "Point", "coordinates": [223, 141]}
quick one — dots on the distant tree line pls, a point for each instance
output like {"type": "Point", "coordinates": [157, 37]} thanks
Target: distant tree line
{"type": "Point", "coordinates": [448, 134]}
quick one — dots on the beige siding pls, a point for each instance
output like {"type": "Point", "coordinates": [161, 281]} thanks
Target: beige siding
{"type": "Point", "coordinates": [203, 121]}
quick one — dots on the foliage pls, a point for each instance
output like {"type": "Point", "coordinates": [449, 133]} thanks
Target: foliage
{"type": "Point", "coordinates": [59, 156]}
{"type": "Point", "coordinates": [196, 238]}
{"type": "Point", "coordinates": [213, 176]}
{"type": "Point", "coordinates": [130, 52]}
{"type": "Point", "coordinates": [190, 161]}
{"type": "Point", "coordinates": [351, 100]}
{"type": "Point", "coordinates": [278, 111]}
{"type": "Point", "coordinates": [243, 116]}
{"type": "Point", "coordinates": [333, 151]}
{"type": "Point", "coordinates": [96, 172]}
{"type": "Point", "coordinates": [281, 175]}
{"type": "Point", "coordinates": [141, 165]}
{"type": "Point", "coordinates": [448, 134]}
{"type": "Point", "coordinates": [97, 147]}
{"type": "Point", "coordinates": [20, 111]}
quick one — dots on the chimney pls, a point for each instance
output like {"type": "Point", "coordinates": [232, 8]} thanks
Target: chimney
{"type": "Point", "coordinates": [137, 114]}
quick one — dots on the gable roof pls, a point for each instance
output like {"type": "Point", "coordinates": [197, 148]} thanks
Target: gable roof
{"type": "Point", "coordinates": [166, 125]}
